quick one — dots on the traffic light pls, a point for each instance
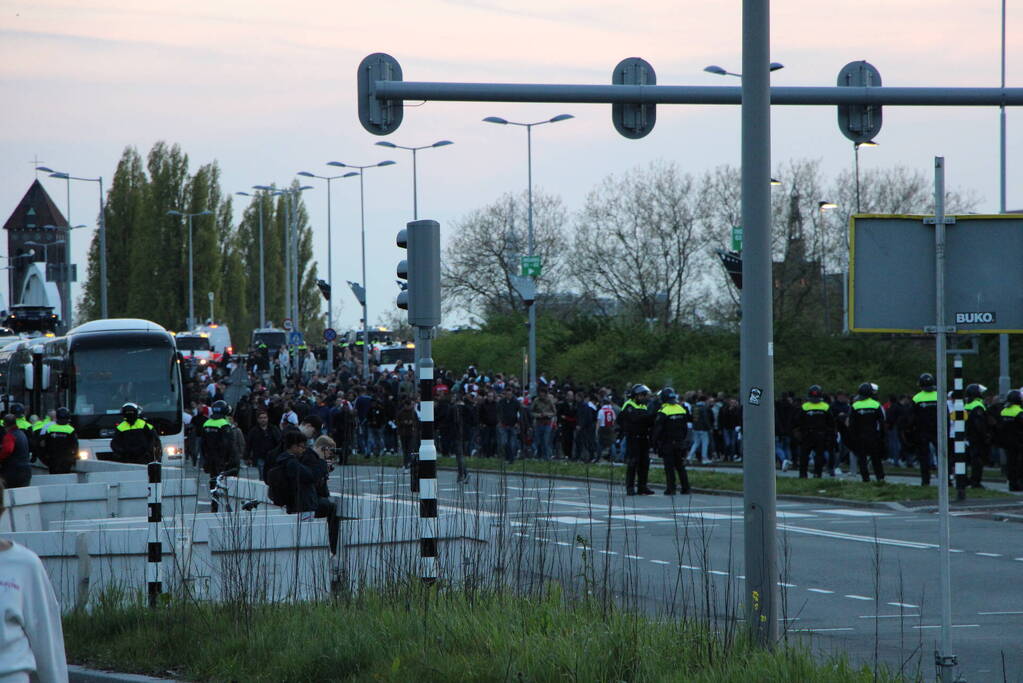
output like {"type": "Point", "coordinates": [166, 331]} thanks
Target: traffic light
{"type": "Point", "coordinates": [421, 267]}
{"type": "Point", "coordinates": [324, 289]}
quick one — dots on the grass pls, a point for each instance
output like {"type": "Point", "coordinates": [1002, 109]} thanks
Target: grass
{"type": "Point", "coordinates": [418, 634]}
{"type": "Point", "coordinates": [843, 489]}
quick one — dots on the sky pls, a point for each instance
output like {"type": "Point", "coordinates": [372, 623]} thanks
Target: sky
{"type": "Point", "coordinates": [268, 89]}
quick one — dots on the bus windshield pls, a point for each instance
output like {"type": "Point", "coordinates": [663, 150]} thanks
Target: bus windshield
{"type": "Point", "coordinates": [392, 356]}
{"type": "Point", "coordinates": [107, 378]}
{"type": "Point", "coordinates": [193, 343]}
{"type": "Point", "coordinates": [273, 340]}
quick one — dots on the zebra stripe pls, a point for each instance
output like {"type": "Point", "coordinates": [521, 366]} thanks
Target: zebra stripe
{"type": "Point", "coordinates": [958, 428]}
{"type": "Point", "coordinates": [427, 476]}
{"type": "Point", "coordinates": [154, 547]}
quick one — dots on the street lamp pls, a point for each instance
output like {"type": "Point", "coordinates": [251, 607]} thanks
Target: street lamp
{"type": "Point", "coordinates": [104, 313]}
{"type": "Point", "coordinates": [529, 166]}
{"type": "Point", "coordinates": [362, 218]}
{"type": "Point", "coordinates": [330, 257]}
{"type": "Point", "coordinates": [415, 193]}
{"type": "Point", "coordinates": [823, 206]}
{"type": "Point", "coordinates": [191, 302]}
{"type": "Point", "coordinates": [856, 157]}
{"type": "Point", "coordinates": [720, 71]}
{"type": "Point", "coordinates": [262, 281]}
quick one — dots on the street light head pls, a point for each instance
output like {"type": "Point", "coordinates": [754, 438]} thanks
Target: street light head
{"type": "Point", "coordinates": [306, 174]}
{"type": "Point", "coordinates": [207, 212]}
{"type": "Point", "coordinates": [561, 117]}
{"type": "Point", "coordinates": [496, 119]}
{"type": "Point", "coordinates": [439, 143]}
{"type": "Point", "coordinates": [386, 163]}
{"type": "Point", "coordinates": [45, 169]}
{"type": "Point", "coordinates": [868, 143]}
{"type": "Point", "coordinates": [825, 205]}
{"type": "Point", "coordinates": [303, 188]}
{"type": "Point", "coordinates": [715, 69]}
{"type": "Point", "coordinates": [385, 143]}
{"type": "Point", "coordinates": [264, 188]}
{"type": "Point", "coordinates": [350, 174]}
{"type": "Point", "coordinates": [58, 174]}
{"type": "Point", "coordinates": [243, 194]}
{"type": "Point", "coordinates": [776, 65]}
{"type": "Point", "coordinates": [174, 212]}
{"type": "Point", "coordinates": [775, 181]}
{"type": "Point", "coordinates": [337, 163]}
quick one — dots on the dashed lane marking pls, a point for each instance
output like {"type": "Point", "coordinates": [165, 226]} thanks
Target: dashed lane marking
{"type": "Point", "coordinates": [787, 585]}
{"type": "Point", "coordinates": [818, 630]}
{"type": "Point", "coordinates": [660, 562]}
{"type": "Point", "coordinates": [690, 567]}
{"type": "Point", "coordinates": [633, 557]}
{"type": "Point", "coordinates": [717, 572]}
{"type": "Point", "coordinates": [791, 515]}
{"type": "Point", "coordinates": [953, 626]}
{"type": "Point", "coordinates": [641, 518]}
{"type": "Point", "coordinates": [709, 515]}
{"type": "Point", "coordinates": [858, 597]}
{"type": "Point", "coordinates": [904, 604]}
{"type": "Point", "coordinates": [578, 521]}
{"type": "Point", "coordinates": [853, 513]}
{"type": "Point", "coordinates": [888, 616]}
{"type": "Point", "coordinates": [823, 591]}
{"type": "Point", "coordinates": [990, 554]}
{"type": "Point", "coordinates": [997, 613]}
{"type": "Point", "coordinates": [855, 537]}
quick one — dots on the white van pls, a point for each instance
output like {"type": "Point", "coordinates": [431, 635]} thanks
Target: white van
{"type": "Point", "coordinates": [220, 339]}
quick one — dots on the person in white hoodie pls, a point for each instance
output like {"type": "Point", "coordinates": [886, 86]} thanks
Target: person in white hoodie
{"type": "Point", "coordinates": [31, 638]}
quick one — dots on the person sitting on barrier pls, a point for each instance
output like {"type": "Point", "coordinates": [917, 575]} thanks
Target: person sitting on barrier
{"type": "Point", "coordinates": [14, 455]}
{"type": "Point", "coordinates": [306, 475]}
{"type": "Point", "coordinates": [58, 444]}
{"type": "Point", "coordinates": [135, 440]}
{"type": "Point", "coordinates": [31, 638]}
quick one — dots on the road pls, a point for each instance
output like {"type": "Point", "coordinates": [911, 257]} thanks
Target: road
{"type": "Point", "coordinates": [858, 580]}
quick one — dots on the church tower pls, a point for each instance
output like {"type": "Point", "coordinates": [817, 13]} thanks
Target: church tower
{"type": "Point", "coordinates": [36, 249]}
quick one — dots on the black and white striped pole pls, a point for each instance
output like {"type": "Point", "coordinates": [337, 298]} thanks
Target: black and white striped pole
{"type": "Point", "coordinates": [958, 428]}
{"type": "Point", "coordinates": [154, 548]}
{"type": "Point", "coordinates": [422, 300]}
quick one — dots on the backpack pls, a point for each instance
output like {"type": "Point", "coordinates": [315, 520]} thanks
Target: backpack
{"type": "Point", "coordinates": [278, 486]}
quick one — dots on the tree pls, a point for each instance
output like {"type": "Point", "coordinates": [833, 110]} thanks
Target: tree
{"type": "Point", "coordinates": [638, 241]}
{"type": "Point", "coordinates": [485, 249]}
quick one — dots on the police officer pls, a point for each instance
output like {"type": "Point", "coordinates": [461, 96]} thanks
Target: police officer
{"type": "Point", "coordinates": [18, 411]}
{"type": "Point", "coordinates": [1010, 437]}
{"type": "Point", "coordinates": [35, 433]}
{"type": "Point", "coordinates": [925, 424]}
{"type": "Point", "coordinates": [135, 440]}
{"type": "Point", "coordinates": [669, 432]}
{"type": "Point", "coordinates": [815, 426]}
{"type": "Point", "coordinates": [58, 443]}
{"type": "Point", "coordinates": [635, 422]}
{"type": "Point", "coordinates": [866, 431]}
{"type": "Point", "coordinates": [978, 433]}
{"type": "Point", "coordinates": [217, 443]}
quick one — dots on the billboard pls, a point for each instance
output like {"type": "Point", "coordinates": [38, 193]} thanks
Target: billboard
{"type": "Point", "coordinates": [892, 270]}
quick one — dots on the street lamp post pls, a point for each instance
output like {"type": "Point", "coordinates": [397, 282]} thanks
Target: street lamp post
{"type": "Point", "coordinates": [104, 313]}
{"type": "Point", "coordinates": [823, 206]}
{"type": "Point", "coordinates": [262, 277]}
{"type": "Point", "coordinates": [330, 257]}
{"type": "Point", "coordinates": [415, 190]}
{"type": "Point", "coordinates": [856, 160]}
{"type": "Point", "coordinates": [362, 220]}
{"type": "Point", "coordinates": [191, 300]}
{"type": "Point", "coordinates": [531, 246]}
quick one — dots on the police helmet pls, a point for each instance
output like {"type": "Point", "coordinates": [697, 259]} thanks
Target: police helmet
{"type": "Point", "coordinates": [131, 411]}
{"type": "Point", "coordinates": [665, 395]}
{"type": "Point", "coordinates": [975, 390]}
{"type": "Point", "coordinates": [219, 409]}
{"type": "Point", "coordinates": [866, 390]}
{"type": "Point", "coordinates": [638, 389]}
{"type": "Point", "coordinates": [1014, 397]}
{"type": "Point", "coordinates": [815, 391]}
{"type": "Point", "coordinates": [18, 409]}
{"type": "Point", "coordinates": [926, 381]}
{"type": "Point", "coordinates": [62, 416]}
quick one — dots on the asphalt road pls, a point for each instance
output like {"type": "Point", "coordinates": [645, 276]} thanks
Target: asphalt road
{"type": "Point", "coordinates": [858, 580]}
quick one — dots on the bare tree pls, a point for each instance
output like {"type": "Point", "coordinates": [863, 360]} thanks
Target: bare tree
{"type": "Point", "coordinates": [486, 248]}
{"type": "Point", "coordinates": [637, 241]}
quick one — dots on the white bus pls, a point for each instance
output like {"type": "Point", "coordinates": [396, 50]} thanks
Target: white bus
{"type": "Point", "coordinates": [94, 370]}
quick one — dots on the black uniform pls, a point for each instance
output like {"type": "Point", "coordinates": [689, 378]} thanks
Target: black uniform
{"type": "Point", "coordinates": [978, 437]}
{"type": "Point", "coordinates": [669, 434]}
{"type": "Point", "coordinates": [135, 442]}
{"type": "Point", "coordinates": [1010, 437]}
{"type": "Point", "coordinates": [925, 428]}
{"type": "Point", "coordinates": [866, 436]}
{"type": "Point", "coordinates": [816, 426]}
{"type": "Point", "coordinates": [59, 448]}
{"type": "Point", "coordinates": [635, 422]}
{"type": "Point", "coordinates": [218, 451]}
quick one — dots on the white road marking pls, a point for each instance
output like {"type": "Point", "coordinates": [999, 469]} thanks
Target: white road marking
{"type": "Point", "coordinates": [815, 630]}
{"type": "Point", "coordinates": [821, 590]}
{"type": "Point", "coordinates": [660, 562]}
{"type": "Point", "coordinates": [579, 521]}
{"type": "Point", "coordinates": [904, 604]}
{"type": "Point", "coordinates": [687, 566]}
{"type": "Point", "coordinates": [717, 572]}
{"type": "Point", "coordinates": [787, 585]}
{"type": "Point", "coordinates": [888, 616]}
{"type": "Point", "coordinates": [709, 515]}
{"type": "Point", "coordinates": [562, 542]}
{"type": "Point", "coordinates": [990, 554]}
{"type": "Point", "coordinates": [858, 597]}
{"type": "Point", "coordinates": [845, 512]}
{"type": "Point", "coordinates": [992, 613]}
{"type": "Point", "coordinates": [855, 537]}
{"type": "Point", "coordinates": [633, 557]}
{"type": "Point", "coordinates": [1018, 559]}
{"type": "Point", "coordinates": [953, 626]}
{"type": "Point", "coordinates": [607, 552]}
{"type": "Point", "coordinates": [791, 515]}
{"type": "Point", "coordinates": [641, 518]}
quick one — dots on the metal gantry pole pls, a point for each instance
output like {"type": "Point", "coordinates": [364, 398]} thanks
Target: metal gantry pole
{"type": "Point", "coordinates": [287, 256]}
{"type": "Point", "coordinates": [191, 301]}
{"type": "Point", "coordinates": [262, 273]}
{"type": "Point", "coordinates": [365, 292]}
{"type": "Point", "coordinates": [756, 344]}
{"type": "Point", "coordinates": [1003, 338]}
{"type": "Point", "coordinates": [943, 658]}
{"type": "Point", "coordinates": [104, 312]}
{"type": "Point", "coordinates": [531, 247]}
{"type": "Point", "coordinates": [65, 304]}
{"type": "Point", "coordinates": [330, 282]}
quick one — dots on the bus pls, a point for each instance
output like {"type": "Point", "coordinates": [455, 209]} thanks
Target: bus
{"type": "Point", "coordinates": [389, 355]}
{"type": "Point", "coordinates": [94, 370]}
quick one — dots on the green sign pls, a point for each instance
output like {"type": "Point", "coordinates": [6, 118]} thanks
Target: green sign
{"type": "Point", "coordinates": [531, 266]}
{"type": "Point", "coordinates": [737, 238]}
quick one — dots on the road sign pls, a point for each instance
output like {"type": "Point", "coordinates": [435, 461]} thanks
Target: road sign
{"type": "Point", "coordinates": [329, 334]}
{"type": "Point", "coordinates": [634, 120]}
{"type": "Point", "coordinates": [288, 325]}
{"type": "Point", "coordinates": [525, 287]}
{"type": "Point", "coordinates": [295, 338]}
{"type": "Point", "coordinates": [892, 282]}
{"type": "Point", "coordinates": [737, 238]}
{"type": "Point", "coordinates": [859, 122]}
{"type": "Point", "coordinates": [531, 266]}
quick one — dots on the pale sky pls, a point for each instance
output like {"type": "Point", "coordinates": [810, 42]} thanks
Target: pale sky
{"type": "Point", "coordinates": [268, 89]}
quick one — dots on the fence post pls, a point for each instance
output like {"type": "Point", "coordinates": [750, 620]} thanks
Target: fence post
{"type": "Point", "coordinates": [154, 548]}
